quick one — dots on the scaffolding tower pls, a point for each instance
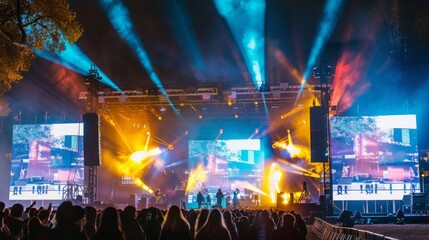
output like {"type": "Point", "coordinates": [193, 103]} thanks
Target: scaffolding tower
{"type": "Point", "coordinates": [90, 102]}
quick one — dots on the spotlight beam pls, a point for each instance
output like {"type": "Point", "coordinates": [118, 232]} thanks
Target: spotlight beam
{"type": "Point", "coordinates": [292, 112]}
{"type": "Point", "coordinates": [176, 164]}
{"type": "Point", "coordinates": [292, 70]}
{"type": "Point", "coordinates": [219, 134]}
{"type": "Point", "coordinates": [196, 111]}
{"type": "Point", "coordinates": [246, 21]}
{"type": "Point", "coordinates": [296, 169]}
{"type": "Point", "coordinates": [289, 138]}
{"type": "Point", "coordinates": [160, 140]}
{"type": "Point", "coordinates": [76, 60]}
{"type": "Point", "coordinates": [120, 19]}
{"type": "Point", "coordinates": [267, 114]}
{"type": "Point", "coordinates": [118, 130]}
{"type": "Point", "coordinates": [247, 185]}
{"type": "Point", "coordinates": [179, 138]}
{"type": "Point", "coordinates": [255, 133]}
{"type": "Point", "coordinates": [147, 141]}
{"type": "Point", "coordinates": [331, 14]}
{"type": "Point", "coordinates": [141, 184]}
{"type": "Point", "coordinates": [182, 29]}
{"type": "Point", "coordinates": [274, 125]}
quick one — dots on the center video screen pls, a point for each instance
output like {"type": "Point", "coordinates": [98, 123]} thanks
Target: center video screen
{"type": "Point", "coordinates": [374, 157]}
{"type": "Point", "coordinates": [226, 164]}
{"type": "Point", "coordinates": [45, 158]}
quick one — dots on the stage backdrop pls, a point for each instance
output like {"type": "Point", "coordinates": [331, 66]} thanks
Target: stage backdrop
{"type": "Point", "coordinates": [374, 157]}
{"type": "Point", "coordinates": [225, 164]}
{"type": "Point", "coordinates": [45, 158]}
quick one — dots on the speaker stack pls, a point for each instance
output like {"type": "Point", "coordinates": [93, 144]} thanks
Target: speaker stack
{"type": "Point", "coordinates": [318, 134]}
{"type": "Point", "coordinates": [91, 139]}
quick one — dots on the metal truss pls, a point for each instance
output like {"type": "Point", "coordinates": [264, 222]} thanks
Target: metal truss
{"type": "Point", "coordinates": [92, 184]}
{"type": "Point", "coordinates": [282, 93]}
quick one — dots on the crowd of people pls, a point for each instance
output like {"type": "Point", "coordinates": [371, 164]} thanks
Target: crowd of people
{"type": "Point", "coordinates": [74, 222]}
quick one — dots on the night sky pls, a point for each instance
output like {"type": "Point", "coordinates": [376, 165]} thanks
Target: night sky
{"type": "Point", "coordinates": [387, 79]}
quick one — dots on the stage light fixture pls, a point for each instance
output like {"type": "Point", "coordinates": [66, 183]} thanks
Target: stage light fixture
{"type": "Point", "coordinates": [235, 115]}
{"type": "Point", "coordinates": [221, 131]}
{"type": "Point", "coordinates": [200, 116]}
{"type": "Point", "coordinates": [328, 72]}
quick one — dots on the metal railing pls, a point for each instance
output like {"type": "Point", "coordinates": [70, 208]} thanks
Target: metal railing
{"type": "Point", "coordinates": [326, 231]}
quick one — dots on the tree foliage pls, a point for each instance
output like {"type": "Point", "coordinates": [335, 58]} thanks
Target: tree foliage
{"type": "Point", "coordinates": [29, 25]}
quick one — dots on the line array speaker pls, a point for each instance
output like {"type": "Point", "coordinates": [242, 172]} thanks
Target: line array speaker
{"type": "Point", "coordinates": [91, 139]}
{"type": "Point", "coordinates": [318, 135]}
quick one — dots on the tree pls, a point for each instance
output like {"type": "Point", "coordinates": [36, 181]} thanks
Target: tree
{"type": "Point", "coordinates": [27, 26]}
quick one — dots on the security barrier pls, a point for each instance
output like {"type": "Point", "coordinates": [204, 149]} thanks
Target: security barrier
{"type": "Point", "coordinates": [326, 231]}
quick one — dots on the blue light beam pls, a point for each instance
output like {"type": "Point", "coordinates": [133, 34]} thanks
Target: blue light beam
{"type": "Point", "coordinates": [267, 114]}
{"type": "Point", "coordinates": [246, 21]}
{"type": "Point", "coordinates": [331, 14]}
{"type": "Point", "coordinates": [119, 17]}
{"type": "Point", "coordinates": [76, 60]}
{"type": "Point", "coordinates": [181, 27]}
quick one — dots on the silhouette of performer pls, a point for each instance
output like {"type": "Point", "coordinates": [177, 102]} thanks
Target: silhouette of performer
{"type": "Point", "coordinates": [200, 199]}
{"type": "Point", "coordinates": [209, 201]}
{"type": "Point", "coordinates": [235, 198]}
{"type": "Point", "coordinates": [219, 197]}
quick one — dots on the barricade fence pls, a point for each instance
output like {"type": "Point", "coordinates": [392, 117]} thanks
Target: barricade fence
{"type": "Point", "coordinates": [326, 231]}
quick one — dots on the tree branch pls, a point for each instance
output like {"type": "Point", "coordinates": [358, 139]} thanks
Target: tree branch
{"type": "Point", "coordinates": [36, 19]}
{"type": "Point", "coordinates": [20, 26]}
{"type": "Point", "coordinates": [9, 36]}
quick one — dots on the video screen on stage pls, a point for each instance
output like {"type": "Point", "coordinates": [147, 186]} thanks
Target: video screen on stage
{"type": "Point", "coordinates": [374, 157]}
{"type": "Point", "coordinates": [225, 164]}
{"type": "Point", "coordinates": [45, 158]}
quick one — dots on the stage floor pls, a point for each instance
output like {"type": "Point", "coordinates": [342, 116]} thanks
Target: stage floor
{"type": "Point", "coordinates": [37, 192]}
{"type": "Point", "coordinates": [361, 191]}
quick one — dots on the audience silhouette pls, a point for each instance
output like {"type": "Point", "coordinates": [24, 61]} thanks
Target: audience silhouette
{"type": "Point", "coordinates": [175, 225]}
{"type": "Point", "coordinates": [74, 222]}
{"type": "Point", "coordinates": [110, 226]}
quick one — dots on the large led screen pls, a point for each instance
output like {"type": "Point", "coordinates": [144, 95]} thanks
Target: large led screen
{"type": "Point", "coordinates": [225, 164]}
{"type": "Point", "coordinates": [374, 158]}
{"type": "Point", "coordinates": [45, 159]}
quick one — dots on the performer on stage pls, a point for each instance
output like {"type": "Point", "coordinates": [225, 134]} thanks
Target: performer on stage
{"type": "Point", "coordinates": [235, 198]}
{"type": "Point", "coordinates": [200, 199]}
{"type": "Point", "coordinates": [209, 201]}
{"type": "Point", "coordinates": [158, 192]}
{"type": "Point", "coordinates": [159, 196]}
{"type": "Point", "coordinates": [219, 197]}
